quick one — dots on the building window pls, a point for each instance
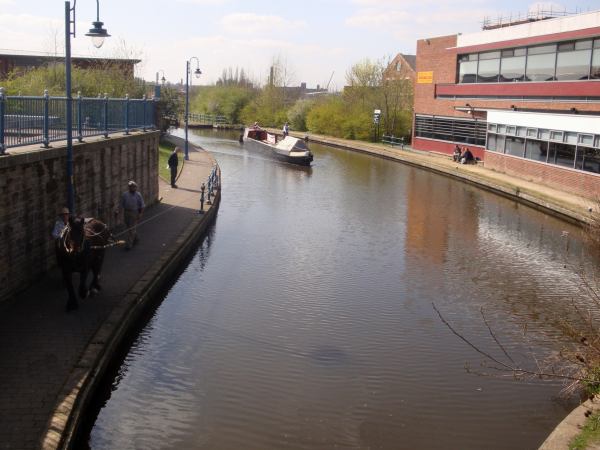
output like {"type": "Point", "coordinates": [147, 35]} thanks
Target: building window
{"type": "Point", "coordinates": [572, 60]}
{"type": "Point", "coordinates": [561, 154]}
{"type": "Point", "coordinates": [595, 73]}
{"type": "Point", "coordinates": [512, 69]}
{"type": "Point", "coordinates": [586, 139]}
{"type": "Point", "coordinates": [556, 136]}
{"type": "Point", "coordinates": [532, 132]}
{"type": "Point", "coordinates": [491, 142]}
{"type": "Point", "coordinates": [562, 148]}
{"type": "Point", "coordinates": [398, 66]}
{"type": "Point", "coordinates": [514, 146]}
{"type": "Point", "coordinates": [468, 68]}
{"type": "Point", "coordinates": [540, 67]}
{"type": "Point", "coordinates": [451, 129]}
{"type": "Point", "coordinates": [489, 67]}
{"type": "Point", "coordinates": [588, 159]}
{"type": "Point", "coordinates": [536, 150]}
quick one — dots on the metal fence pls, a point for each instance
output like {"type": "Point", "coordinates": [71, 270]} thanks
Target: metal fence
{"type": "Point", "coordinates": [208, 119]}
{"type": "Point", "coordinates": [41, 120]}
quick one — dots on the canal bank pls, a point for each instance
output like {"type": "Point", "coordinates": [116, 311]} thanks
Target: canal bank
{"type": "Point", "coordinates": [50, 361]}
{"type": "Point", "coordinates": [564, 205]}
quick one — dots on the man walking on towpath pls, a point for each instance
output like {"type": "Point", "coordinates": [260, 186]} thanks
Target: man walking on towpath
{"type": "Point", "coordinates": [133, 207]}
{"type": "Point", "coordinates": [173, 162]}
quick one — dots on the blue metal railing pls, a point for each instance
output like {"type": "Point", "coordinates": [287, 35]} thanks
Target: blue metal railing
{"type": "Point", "coordinates": [41, 120]}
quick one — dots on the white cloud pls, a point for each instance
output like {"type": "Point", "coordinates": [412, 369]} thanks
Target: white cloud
{"type": "Point", "coordinates": [545, 7]}
{"type": "Point", "coordinates": [376, 18]}
{"type": "Point", "coordinates": [202, 2]}
{"type": "Point", "coordinates": [250, 23]}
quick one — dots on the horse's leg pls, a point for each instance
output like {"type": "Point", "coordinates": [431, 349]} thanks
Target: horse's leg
{"type": "Point", "coordinates": [83, 290]}
{"type": "Point", "coordinates": [96, 268]}
{"type": "Point", "coordinates": [68, 280]}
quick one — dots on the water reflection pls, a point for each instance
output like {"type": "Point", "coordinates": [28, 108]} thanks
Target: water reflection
{"type": "Point", "coordinates": [305, 320]}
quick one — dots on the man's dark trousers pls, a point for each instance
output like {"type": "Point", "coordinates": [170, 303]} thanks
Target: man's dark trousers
{"type": "Point", "coordinates": [173, 174]}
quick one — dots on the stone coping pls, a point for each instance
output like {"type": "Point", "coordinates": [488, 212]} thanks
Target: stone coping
{"type": "Point", "coordinates": [570, 426]}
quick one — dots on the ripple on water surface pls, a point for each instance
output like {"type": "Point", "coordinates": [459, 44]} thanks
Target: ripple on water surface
{"type": "Point", "coordinates": [306, 320]}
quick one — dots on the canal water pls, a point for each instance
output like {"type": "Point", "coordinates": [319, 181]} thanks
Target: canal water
{"type": "Point", "coordinates": [307, 317]}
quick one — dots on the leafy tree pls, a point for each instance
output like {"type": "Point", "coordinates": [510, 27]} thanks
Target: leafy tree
{"type": "Point", "coordinates": [101, 79]}
{"type": "Point", "coordinates": [223, 99]}
{"type": "Point", "coordinates": [298, 112]}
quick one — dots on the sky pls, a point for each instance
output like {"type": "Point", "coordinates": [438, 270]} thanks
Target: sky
{"type": "Point", "coordinates": [315, 40]}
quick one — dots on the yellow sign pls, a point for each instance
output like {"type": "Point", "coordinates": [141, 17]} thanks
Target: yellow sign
{"type": "Point", "coordinates": [425, 77]}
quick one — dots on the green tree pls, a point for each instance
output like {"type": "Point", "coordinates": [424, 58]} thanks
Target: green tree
{"type": "Point", "coordinates": [297, 114]}
{"type": "Point", "coordinates": [101, 79]}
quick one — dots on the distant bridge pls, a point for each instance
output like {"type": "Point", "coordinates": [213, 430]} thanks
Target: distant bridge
{"type": "Point", "coordinates": [208, 121]}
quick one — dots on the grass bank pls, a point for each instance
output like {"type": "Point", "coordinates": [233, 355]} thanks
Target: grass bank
{"type": "Point", "coordinates": [590, 434]}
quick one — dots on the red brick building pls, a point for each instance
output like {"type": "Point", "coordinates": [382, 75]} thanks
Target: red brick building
{"type": "Point", "coordinates": [523, 97]}
{"type": "Point", "coordinates": [402, 67]}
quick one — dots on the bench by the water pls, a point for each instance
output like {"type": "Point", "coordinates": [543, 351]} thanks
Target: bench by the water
{"type": "Point", "coordinates": [392, 140]}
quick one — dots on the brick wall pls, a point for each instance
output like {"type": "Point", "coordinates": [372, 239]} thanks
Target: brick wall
{"type": "Point", "coordinates": [568, 180]}
{"type": "Point", "coordinates": [432, 145]}
{"type": "Point", "coordinates": [33, 190]}
{"type": "Point", "coordinates": [438, 56]}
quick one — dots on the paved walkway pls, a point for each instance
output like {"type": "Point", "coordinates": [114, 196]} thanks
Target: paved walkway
{"type": "Point", "coordinates": [568, 205]}
{"type": "Point", "coordinates": [43, 350]}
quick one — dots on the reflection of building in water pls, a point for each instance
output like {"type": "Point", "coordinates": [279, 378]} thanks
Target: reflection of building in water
{"type": "Point", "coordinates": [438, 207]}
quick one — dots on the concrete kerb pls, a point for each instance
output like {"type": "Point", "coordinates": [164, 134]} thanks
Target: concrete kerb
{"type": "Point", "coordinates": [570, 426]}
{"type": "Point", "coordinates": [84, 379]}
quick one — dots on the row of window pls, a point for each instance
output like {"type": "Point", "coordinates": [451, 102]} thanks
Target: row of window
{"type": "Point", "coordinates": [569, 137]}
{"type": "Point", "coordinates": [449, 129]}
{"type": "Point", "coordinates": [573, 60]}
{"type": "Point", "coordinates": [557, 153]}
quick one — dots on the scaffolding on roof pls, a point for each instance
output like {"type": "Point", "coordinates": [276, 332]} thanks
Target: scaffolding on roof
{"type": "Point", "coordinates": [533, 15]}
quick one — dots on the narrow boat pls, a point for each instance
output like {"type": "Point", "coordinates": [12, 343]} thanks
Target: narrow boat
{"type": "Point", "coordinates": [289, 149]}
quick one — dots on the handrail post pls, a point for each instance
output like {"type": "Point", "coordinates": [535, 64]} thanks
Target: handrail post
{"type": "Point", "coordinates": [2, 109]}
{"type": "Point", "coordinates": [79, 117]}
{"type": "Point", "coordinates": [126, 114]}
{"type": "Point", "coordinates": [152, 125]}
{"type": "Point", "coordinates": [105, 115]}
{"type": "Point", "coordinates": [46, 131]}
{"type": "Point", "coordinates": [144, 118]}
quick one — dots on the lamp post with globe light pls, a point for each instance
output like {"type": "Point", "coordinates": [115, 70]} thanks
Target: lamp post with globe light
{"type": "Point", "coordinates": [98, 34]}
{"type": "Point", "coordinates": [188, 82]}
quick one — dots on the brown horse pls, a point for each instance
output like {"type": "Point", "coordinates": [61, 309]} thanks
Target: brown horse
{"type": "Point", "coordinates": [80, 248]}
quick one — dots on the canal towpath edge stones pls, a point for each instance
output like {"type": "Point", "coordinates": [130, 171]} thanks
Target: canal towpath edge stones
{"type": "Point", "coordinates": [79, 388]}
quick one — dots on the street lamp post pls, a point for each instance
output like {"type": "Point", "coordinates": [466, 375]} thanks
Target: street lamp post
{"type": "Point", "coordinates": [163, 79]}
{"type": "Point", "coordinates": [97, 33]}
{"type": "Point", "coordinates": [197, 72]}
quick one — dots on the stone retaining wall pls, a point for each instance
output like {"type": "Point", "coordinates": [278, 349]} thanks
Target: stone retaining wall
{"type": "Point", "coordinates": [33, 190]}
